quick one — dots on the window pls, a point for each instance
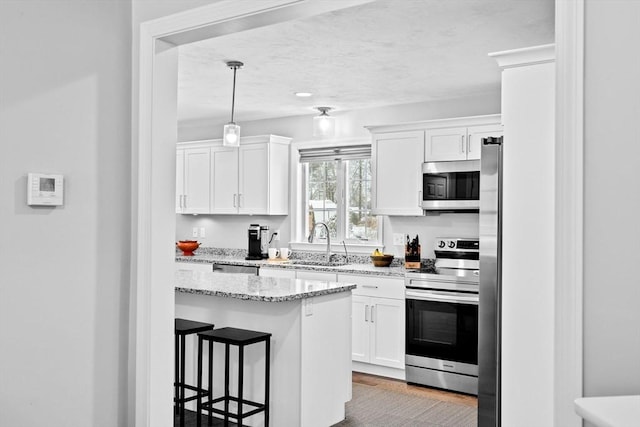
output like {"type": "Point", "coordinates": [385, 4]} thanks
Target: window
{"type": "Point", "coordinates": [337, 192]}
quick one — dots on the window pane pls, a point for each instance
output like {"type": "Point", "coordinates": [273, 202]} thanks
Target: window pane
{"type": "Point", "coordinates": [361, 224]}
{"type": "Point", "coordinates": [321, 197]}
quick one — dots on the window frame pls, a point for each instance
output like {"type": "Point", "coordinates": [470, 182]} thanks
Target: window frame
{"type": "Point", "coordinates": [299, 189]}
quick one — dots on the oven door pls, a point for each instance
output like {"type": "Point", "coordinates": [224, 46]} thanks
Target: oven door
{"type": "Point", "coordinates": [442, 325]}
{"type": "Point", "coordinates": [451, 185]}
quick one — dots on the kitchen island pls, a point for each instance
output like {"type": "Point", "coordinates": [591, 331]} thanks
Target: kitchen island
{"type": "Point", "coordinates": [310, 347]}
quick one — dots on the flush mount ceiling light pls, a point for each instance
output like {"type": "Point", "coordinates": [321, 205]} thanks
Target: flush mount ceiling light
{"type": "Point", "coordinates": [231, 134]}
{"type": "Point", "coordinates": [324, 125]}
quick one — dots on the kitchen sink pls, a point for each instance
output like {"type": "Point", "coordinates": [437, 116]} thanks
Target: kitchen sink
{"type": "Point", "coordinates": [318, 263]}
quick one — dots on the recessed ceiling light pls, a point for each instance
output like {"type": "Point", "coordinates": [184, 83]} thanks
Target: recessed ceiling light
{"type": "Point", "coordinates": [303, 94]}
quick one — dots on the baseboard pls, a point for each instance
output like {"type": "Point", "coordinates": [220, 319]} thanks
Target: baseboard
{"type": "Point", "coordinates": [382, 371]}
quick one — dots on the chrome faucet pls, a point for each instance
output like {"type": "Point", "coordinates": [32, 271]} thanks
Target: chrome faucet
{"type": "Point", "coordinates": [328, 238]}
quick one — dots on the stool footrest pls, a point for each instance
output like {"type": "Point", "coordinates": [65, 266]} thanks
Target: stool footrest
{"type": "Point", "coordinates": [209, 406]}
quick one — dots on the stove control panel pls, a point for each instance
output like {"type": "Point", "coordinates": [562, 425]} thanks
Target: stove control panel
{"type": "Point", "coordinates": [457, 244]}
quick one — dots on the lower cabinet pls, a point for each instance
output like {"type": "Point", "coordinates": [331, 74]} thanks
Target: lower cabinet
{"type": "Point", "coordinates": [277, 272]}
{"type": "Point", "coordinates": [378, 320]}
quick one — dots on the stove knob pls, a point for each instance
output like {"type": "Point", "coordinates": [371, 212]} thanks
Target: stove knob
{"type": "Point", "coordinates": [452, 244]}
{"type": "Point", "coordinates": [441, 244]}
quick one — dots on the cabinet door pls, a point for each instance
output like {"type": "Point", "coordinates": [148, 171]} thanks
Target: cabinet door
{"type": "Point", "coordinates": [387, 332]}
{"type": "Point", "coordinates": [179, 179]}
{"type": "Point", "coordinates": [397, 174]}
{"type": "Point", "coordinates": [446, 144]}
{"type": "Point", "coordinates": [253, 179]}
{"type": "Point", "coordinates": [224, 162]}
{"type": "Point", "coordinates": [475, 135]}
{"type": "Point", "coordinates": [360, 312]}
{"type": "Point", "coordinates": [197, 180]}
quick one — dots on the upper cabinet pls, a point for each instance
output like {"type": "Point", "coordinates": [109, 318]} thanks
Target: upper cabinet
{"type": "Point", "coordinates": [395, 165]}
{"type": "Point", "coordinates": [251, 179]}
{"type": "Point", "coordinates": [193, 183]}
{"type": "Point", "coordinates": [398, 152]}
{"type": "Point", "coordinates": [458, 143]}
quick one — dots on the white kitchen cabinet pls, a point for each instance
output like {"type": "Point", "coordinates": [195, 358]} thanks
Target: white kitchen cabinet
{"type": "Point", "coordinates": [457, 143]}
{"type": "Point", "coordinates": [252, 179]}
{"type": "Point", "coordinates": [377, 320]}
{"type": "Point", "coordinates": [396, 159]}
{"type": "Point", "coordinates": [193, 180]}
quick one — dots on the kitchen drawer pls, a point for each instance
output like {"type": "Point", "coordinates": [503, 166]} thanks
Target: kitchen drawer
{"type": "Point", "coordinates": [277, 272]}
{"type": "Point", "coordinates": [372, 286]}
{"type": "Point", "coordinates": [194, 266]}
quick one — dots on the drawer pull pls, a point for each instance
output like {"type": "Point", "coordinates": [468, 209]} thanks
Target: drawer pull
{"type": "Point", "coordinates": [370, 286]}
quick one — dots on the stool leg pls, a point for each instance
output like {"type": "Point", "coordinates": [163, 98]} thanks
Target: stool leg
{"type": "Point", "coordinates": [226, 385]}
{"type": "Point", "coordinates": [267, 369]}
{"type": "Point", "coordinates": [240, 382]}
{"type": "Point", "coordinates": [199, 400]}
{"type": "Point", "coordinates": [210, 391]}
{"type": "Point", "coordinates": [176, 375]}
{"type": "Point", "coordinates": [182, 363]}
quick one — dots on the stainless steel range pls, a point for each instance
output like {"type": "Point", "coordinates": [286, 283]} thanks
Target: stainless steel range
{"type": "Point", "coordinates": [442, 318]}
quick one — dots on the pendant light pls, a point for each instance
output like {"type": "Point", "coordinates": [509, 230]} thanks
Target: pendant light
{"type": "Point", "coordinates": [231, 134]}
{"type": "Point", "coordinates": [324, 125]}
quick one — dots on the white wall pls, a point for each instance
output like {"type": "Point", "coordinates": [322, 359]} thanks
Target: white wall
{"type": "Point", "coordinates": [231, 231]}
{"type": "Point", "coordinates": [612, 198]}
{"type": "Point", "coordinates": [65, 99]}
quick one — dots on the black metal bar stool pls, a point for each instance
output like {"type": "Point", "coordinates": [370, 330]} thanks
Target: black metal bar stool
{"type": "Point", "coordinates": [239, 338]}
{"type": "Point", "coordinates": [183, 328]}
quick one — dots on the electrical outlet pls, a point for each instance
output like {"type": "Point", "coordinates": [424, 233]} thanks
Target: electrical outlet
{"type": "Point", "coordinates": [194, 232]}
{"type": "Point", "coordinates": [202, 233]}
{"type": "Point", "coordinates": [276, 235]}
{"type": "Point", "coordinates": [399, 238]}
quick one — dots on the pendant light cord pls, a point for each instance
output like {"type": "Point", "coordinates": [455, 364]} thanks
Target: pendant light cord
{"type": "Point", "coordinates": [233, 95]}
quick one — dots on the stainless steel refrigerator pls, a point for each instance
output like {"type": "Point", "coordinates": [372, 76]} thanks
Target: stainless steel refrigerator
{"type": "Point", "coordinates": [489, 310]}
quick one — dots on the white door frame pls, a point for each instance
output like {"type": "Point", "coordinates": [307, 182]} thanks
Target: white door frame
{"type": "Point", "coordinates": [153, 224]}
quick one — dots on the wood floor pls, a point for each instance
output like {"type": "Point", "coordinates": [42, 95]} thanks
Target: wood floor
{"type": "Point", "coordinates": [383, 383]}
{"type": "Point", "coordinates": [402, 387]}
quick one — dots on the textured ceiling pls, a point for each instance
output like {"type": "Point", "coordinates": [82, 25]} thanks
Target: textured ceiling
{"type": "Point", "coordinates": [382, 53]}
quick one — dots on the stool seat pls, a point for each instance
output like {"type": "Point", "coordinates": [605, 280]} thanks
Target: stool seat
{"type": "Point", "coordinates": [234, 336]}
{"type": "Point", "coordinates": [187, 327]}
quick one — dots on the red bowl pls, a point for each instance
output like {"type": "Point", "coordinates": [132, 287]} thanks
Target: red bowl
{"type": "Point", "coordinates": [188, 246]}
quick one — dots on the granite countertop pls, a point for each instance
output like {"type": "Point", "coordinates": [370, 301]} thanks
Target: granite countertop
{"type": "Point", "coordinates": [255, 288]}
{"type": "Point", "coordinates": [352, 268]}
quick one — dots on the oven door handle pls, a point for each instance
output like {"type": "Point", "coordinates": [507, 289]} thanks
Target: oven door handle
{"type": "Point", "coordinates": [442, 297]}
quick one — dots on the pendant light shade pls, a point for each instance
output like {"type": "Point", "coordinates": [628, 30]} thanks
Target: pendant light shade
{"type": "Point", "coordinates": [323, 124]}
{"type": "Point", "coordinates": [231, 133]}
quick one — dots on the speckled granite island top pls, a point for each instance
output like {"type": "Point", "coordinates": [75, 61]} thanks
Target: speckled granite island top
{"type": "Point", "coordinates": [256, 288]}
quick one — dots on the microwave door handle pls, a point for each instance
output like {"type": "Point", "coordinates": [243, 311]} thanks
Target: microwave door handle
{"type": "Point", "coordinates": [443, 297]}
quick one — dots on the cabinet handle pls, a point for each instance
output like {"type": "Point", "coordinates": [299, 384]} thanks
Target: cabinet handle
{"type": "Point", "coordinates": [239, 200]}
{"type": "Point", "coordinates": [462, 145]}
{"type": "Point", "coordinates": [185, 201]}
{"type": "Point", "coordinates": [468, 144]}
{"type": "Point", "coordinates": [234, 199]}
{"type": "Point", "coordinates": [419, 198]}
{"type": "Point", "coordinates": [372, 312]}
{"type": "Point", "coordinates": [366, 313]}
{"type": "Point", "coordinates": [370, 286]}
{"type": "Point", "coordinates": [181, 201]}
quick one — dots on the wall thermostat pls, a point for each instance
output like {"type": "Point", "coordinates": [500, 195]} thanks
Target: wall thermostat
{"type": "Point", "coordinates": [45, 190]}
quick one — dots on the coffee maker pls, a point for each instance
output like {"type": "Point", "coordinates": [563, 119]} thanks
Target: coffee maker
{"type": "Point", "coordinates": [255, 242]}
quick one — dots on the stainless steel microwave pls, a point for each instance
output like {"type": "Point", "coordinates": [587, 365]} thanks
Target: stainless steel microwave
{"type": "Point", "coordinates": [451, 186]}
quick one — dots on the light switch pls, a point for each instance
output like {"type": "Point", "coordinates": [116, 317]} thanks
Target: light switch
{"type": "Point", "coordinates": [202, 233]}
{"type": "Point", "coordinates": [398, 238]}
